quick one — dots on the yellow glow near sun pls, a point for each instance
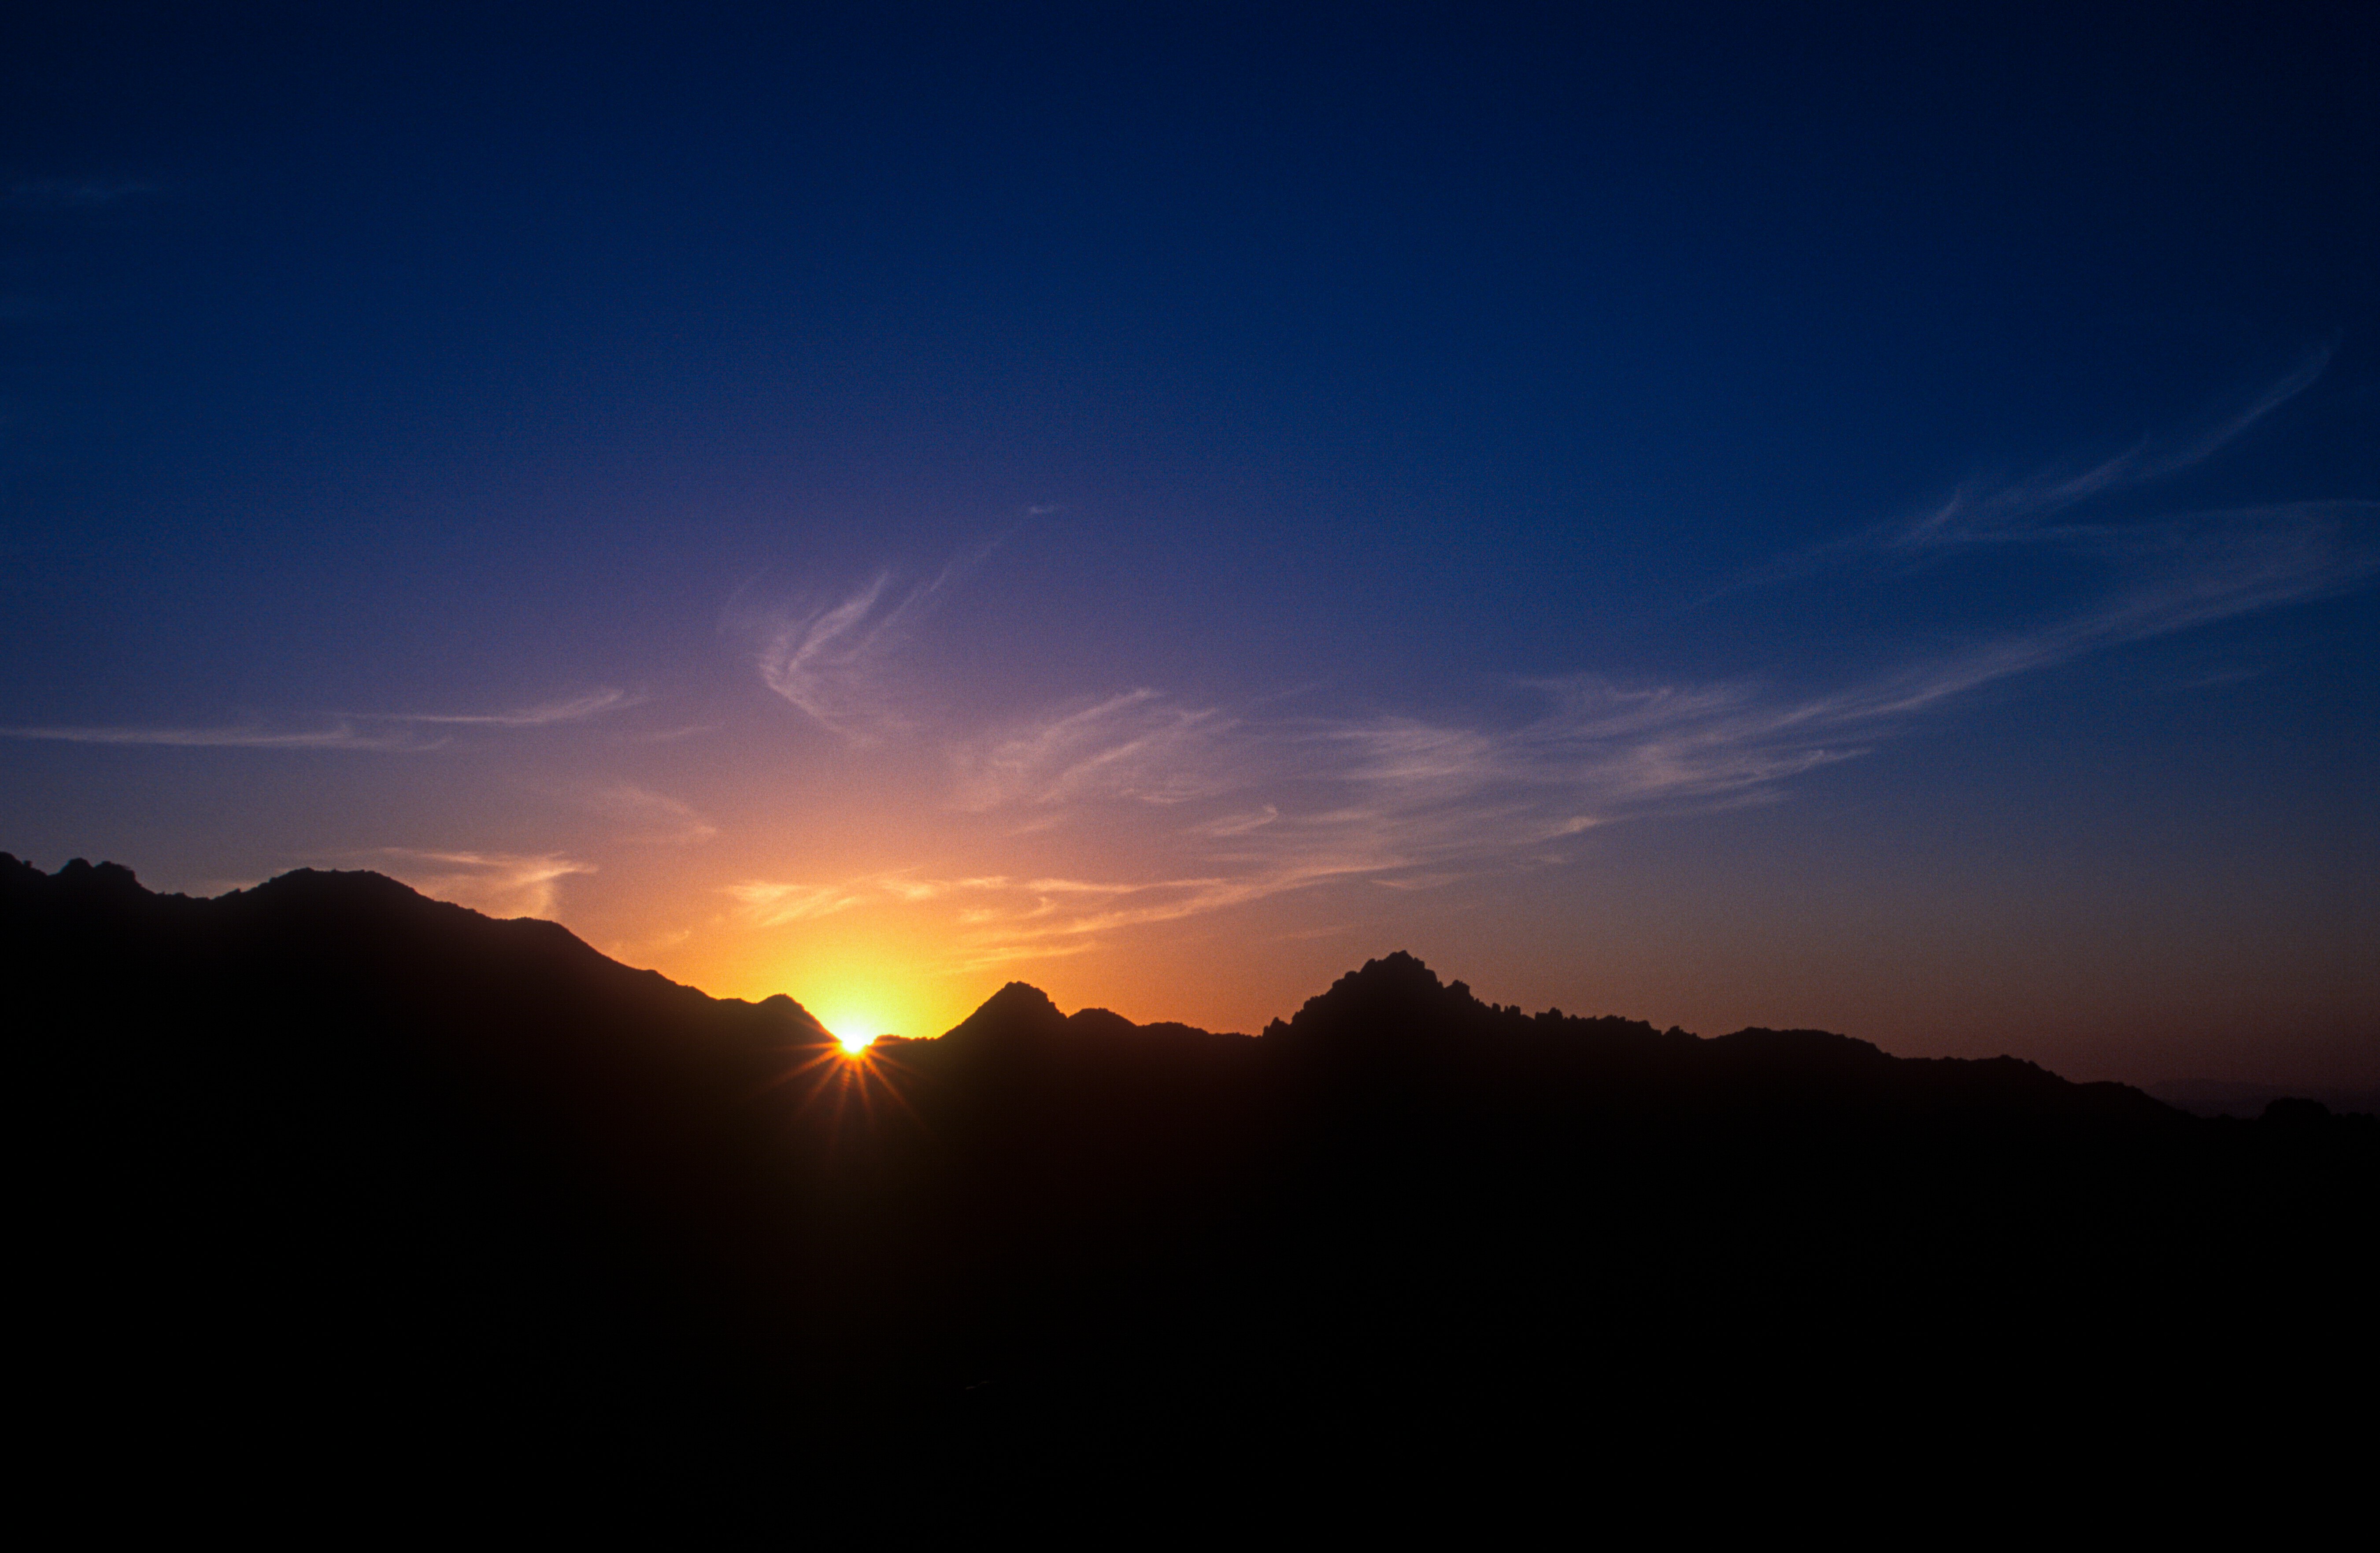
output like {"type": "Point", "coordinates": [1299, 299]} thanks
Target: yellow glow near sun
{"type": "Point", "coordinates": [852, 1029]}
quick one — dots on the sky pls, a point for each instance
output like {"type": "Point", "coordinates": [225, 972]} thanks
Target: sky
{"type": "Point", "coordinates": [1853, 517]}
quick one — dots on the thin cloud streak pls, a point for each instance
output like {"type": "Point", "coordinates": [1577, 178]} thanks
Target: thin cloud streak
{"type": "Point", "coordinates": [2017, 509]}
{"type": "Point", "coordinates": [836, 662]}
{"type": "Point", "coordinates": [2018, 513]}
{"type": "Point", "coordinates": [1233, 806]}
{"type": "Point", "coordinates": [570, 708]}
{"type": "Point", "coordinates": [1408, 803]}
{"type": "Point", "coordinates": [644, 815]}
{"type": "Point", "coordinates": [500, 884]}
{"type": "Point", "coordinates": [773, 903]}
{"type": "Point", "coordinates": [341, 737]}
{"type": "Point", "coordinates": [1136, 746]}
{"type": "Point", "coordinates": [394, 730]}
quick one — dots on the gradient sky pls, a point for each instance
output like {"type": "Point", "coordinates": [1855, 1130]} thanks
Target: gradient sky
{"type": "Point", "coordinates": [1857, 517]}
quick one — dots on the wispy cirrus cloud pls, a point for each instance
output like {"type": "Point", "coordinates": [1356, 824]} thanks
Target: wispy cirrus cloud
{"type": "Point", "coordinates": [2020, 512]}
{"type": "Point", "coordinates": [2018, 509]}
{"type": "Point", "coordinates": [1139, 744]}
{"type": "Point", "coordinates": [544, 714]}
{"type": "Point", "coordinates": [498, 883]}
{"type": "Point", "coordinates": [339, 735]}
{"type": "Point", "coordinates": [772, 903]}
{"type": "Point", "coordinates": [1233, 806]}
{"type": "Point", "coordinates": [639, 813]}
{"type": "Point", "coordinates": [837, 660]}
{"type": "Point", "coordinates": [354, 731]}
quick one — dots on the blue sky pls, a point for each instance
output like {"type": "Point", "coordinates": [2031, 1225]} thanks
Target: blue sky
{"type": "Point", "coordinates": [1843, 516]}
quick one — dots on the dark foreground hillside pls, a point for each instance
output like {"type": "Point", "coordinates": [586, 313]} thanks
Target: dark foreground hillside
{"type": "Point", "coordinates": [326, 1161]}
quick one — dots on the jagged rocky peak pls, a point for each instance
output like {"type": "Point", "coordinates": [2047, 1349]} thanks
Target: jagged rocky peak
{"type": "Point", "coordinates": [1394, 990]}
{"type": "Point", "coordinates": [80, 879]}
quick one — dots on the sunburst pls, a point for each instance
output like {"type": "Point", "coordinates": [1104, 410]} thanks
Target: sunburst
{"type": "Point", "coordinates": [853, 1079]}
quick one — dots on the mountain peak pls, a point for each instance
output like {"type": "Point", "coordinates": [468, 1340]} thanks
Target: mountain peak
{"type": "Point", "coordinates": [1018, 1007]}
{"type": "Point", "coordinates": [1390, 992]}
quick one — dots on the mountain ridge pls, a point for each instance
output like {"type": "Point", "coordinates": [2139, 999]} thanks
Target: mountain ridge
{"type": "Point", "coordinates": [471, 1159]}
{"type": "Point", "coordinates": [1400, 976]}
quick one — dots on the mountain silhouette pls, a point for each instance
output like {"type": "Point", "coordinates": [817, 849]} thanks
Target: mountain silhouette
{"type": "Point", "coordinates": [361, 1160]}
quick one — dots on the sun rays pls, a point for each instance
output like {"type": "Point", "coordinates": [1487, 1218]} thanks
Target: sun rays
{"type": "Point", "coordinates": [850, 1084]}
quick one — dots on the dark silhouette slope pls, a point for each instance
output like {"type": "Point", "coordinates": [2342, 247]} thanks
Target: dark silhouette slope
{"type": "Point", "coordinates": [329, 1140]}
{"type": "Point", "coordinates": [344, 1153]}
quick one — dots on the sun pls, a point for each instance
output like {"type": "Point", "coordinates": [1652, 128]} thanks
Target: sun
{"type": "Point", "coordinates": [853, 1030]}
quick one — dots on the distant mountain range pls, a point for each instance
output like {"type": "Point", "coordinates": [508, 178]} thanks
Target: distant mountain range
{"type": "Point", "coordinates": [2215, 1096]}
{"type": "Point", "coordinates": [354, 1157]}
